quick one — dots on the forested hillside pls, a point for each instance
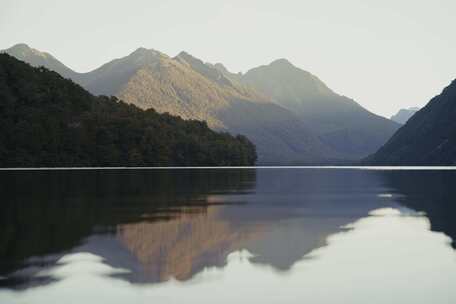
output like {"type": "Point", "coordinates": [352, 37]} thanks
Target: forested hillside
{"type": "Point", "coordinates": [46, 120]}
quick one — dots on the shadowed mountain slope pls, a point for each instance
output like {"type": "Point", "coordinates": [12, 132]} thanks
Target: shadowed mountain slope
{"type": "Point", "coordinates": [340, 122]}
{"type": "Point", "coordinates": [428, 138]}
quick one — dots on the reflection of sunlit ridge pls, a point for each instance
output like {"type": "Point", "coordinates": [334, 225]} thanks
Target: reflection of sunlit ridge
{"type": "Point", "coordinates": [289, 213]}
{"type": "Point", "coordinates": [192, 241]}
{"type": "Point", "coordinates": [297, 222]}
{"type": "Point", "coordinates": [182, 246]}
{"type": "Point", "coordinates": [380, 256]}
{"type": "Point", "coordinates": [224, 200]}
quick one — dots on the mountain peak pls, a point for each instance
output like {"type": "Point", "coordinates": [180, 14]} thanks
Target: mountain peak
{"type": "Point", "coordinates": [22, 50]}
{"type": "Point", "coordinates": [188, 58]}
{"type": "Point", "coordinates": [281, 62]}
{"type": "Point", "coordinates": [141, 52]}
{"type": "Point", "coordinates": [20, 46]}
{"type": "Point", "coordinates": [403, 115]}
{"type": "Point", "coordinates": [37, 58]}
{"type": "Point", "coordinates": [184, 54]}
{"type": "Point", "coordinates": [205, 69]}
{"type": "Point", "coordinates": [281, 77]}
{"type": "Point", "coordinates": [220, 66]}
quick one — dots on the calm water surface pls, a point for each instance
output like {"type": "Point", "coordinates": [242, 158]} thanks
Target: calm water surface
{"type": "Point", "coordinates": [228, 236]}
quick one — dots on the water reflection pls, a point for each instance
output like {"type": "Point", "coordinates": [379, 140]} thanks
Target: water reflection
{"type": "Point", "coordinates": [396, 246]}
{"type": "Point", "coordinates": [47, 214]}
{"type": "Point", "coordinates": [293, 232]}
{"type": "Point", "coordinates": [432, 192]}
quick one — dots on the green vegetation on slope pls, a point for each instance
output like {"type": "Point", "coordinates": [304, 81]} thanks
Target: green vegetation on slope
{"type": "Point", "coordinates": [46, 120]}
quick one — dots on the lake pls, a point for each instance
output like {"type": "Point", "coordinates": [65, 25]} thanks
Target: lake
{"type": "Point", "coordinates": [266, 235]}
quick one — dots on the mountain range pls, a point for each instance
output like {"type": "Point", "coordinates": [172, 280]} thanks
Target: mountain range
{"type": "Point", "coordinates": [404, 115]}
{"type": "Point", "coordinates": [428, 138]}
{"type": "Point", "coordinates": [289, 114]}
{"type": "Point", "coordinates": [340, 122]}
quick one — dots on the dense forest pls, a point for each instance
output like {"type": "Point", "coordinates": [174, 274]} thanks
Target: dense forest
{"type": "Point", "coordinates": [49, 121]}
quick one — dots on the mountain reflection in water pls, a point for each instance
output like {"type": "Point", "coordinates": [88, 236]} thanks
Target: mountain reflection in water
{"type": "Point", "coordinates": [151, 226]}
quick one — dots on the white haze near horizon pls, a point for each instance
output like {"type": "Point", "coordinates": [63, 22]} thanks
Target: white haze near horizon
{"type": "Point", "coordinates": [386, 54]}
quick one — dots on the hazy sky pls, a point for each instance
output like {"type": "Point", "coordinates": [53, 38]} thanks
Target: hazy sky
{"type": "Point", "coordinates": [385, 54]}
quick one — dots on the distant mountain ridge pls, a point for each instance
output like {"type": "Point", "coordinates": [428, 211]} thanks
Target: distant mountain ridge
{"type": "Point", "coordinates": [403, 115]}
{"type": "Point", "coordinates": [290, 115]}
{"type": "Point", "coordinates": [340, 122]}
{"type": "Point", "coordinates": [428, 138]}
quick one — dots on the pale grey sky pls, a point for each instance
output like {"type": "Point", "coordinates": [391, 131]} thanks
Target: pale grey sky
{"type": "Point", "coordinates": [385, 54]}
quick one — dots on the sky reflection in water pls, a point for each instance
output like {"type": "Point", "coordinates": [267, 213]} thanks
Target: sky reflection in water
{"type": "Point", "coordinates": [286, 236]}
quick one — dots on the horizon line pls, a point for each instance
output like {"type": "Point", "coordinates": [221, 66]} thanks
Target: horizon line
{"type": "Point", "coordinates": [386, 168]}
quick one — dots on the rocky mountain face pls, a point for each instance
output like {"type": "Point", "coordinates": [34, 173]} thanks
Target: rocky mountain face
{"type": "Point", "coordinates": [187, 87]}
{"type": "Point", "coordinates": [289, 114]}
{"type": "Point", "coordinates": [428, 138]}
{"type": "Point", "coordinates": [340, 122]}
{"type": "Point", "coordinates": [404, 115]}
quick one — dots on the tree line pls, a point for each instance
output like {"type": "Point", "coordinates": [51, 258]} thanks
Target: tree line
{"type": "Point", "coordinates": [49, 121]}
